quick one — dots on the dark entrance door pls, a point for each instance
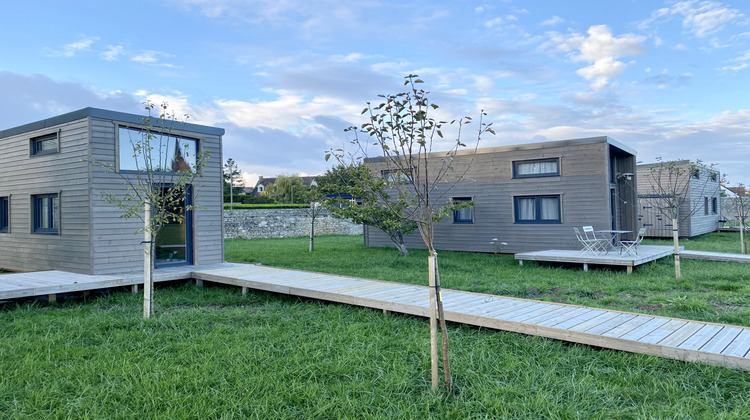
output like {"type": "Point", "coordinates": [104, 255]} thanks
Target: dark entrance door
{"type": "Point", "coordinates": [174, 241]}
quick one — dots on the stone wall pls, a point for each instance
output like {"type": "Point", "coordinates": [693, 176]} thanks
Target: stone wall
{"type": "Point", "coordinates": [283, 223]}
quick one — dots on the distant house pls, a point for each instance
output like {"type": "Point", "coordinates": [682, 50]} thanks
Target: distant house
{"type": "Point", "coordinates": [530, 196]}
{"type": "Point", "coordinates": [266, 184]}
{"type": "Point", "coordinates": [701, 211]}
{"type": "Point", "coordinates": [53, 216]}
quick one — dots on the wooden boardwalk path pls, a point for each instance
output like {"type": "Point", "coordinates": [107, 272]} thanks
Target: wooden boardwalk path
{"type": "Point", "coordinates": [724, 345]}
{"type": "Point", "coordinates": [715, 256]}
{"type": "Point", "coordinates": [680, 339]}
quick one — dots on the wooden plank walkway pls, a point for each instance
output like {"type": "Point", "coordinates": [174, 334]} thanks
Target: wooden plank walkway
{"type": "Point", "coordinates": [715, 256]}
{"type": "Point", "coordinates": [724, 345]}
{"type": "Point", "coordinates": [646, 253]}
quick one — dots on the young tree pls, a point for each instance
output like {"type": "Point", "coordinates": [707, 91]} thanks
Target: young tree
{"type": "Point", "coordinates": [362, 197]}
{"type": "Point", "coordinates": [739, 209]}
{"type": "Point", "coordinates": [313, 195]}
{"type": "Point", "coordinates": [400, 127]}
{"type": "Point", "coordinates": [231, 172]}
{"type": "Point", "coordinates": [676, 190]}
{"type": "Point", "coordinates": [156, 191]}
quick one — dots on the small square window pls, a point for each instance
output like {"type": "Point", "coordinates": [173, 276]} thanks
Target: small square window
{"type": "Point", "coordinates": [536, 168]}
{"type": "Point", "coordinates": [463, 215]}
{"type": "Point", "coordinates": [46, 214]}
{"type": "Point", "coordinates": [537, 209]}
{"type": "Point", "coordinates": [4, 214]}
{"type": "Point", "coordinates": [44, 145]}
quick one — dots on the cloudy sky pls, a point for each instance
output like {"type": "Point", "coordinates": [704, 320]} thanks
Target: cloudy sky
{"type": "Point", "coordinates": [286, 77]}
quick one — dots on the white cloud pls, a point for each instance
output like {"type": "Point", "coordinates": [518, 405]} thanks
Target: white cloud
{"type": "Point", "coordinates": [601, 49]}
{"type": "Point", "coordinates": [700, 18]}
{"type": "Point", "coordinates": [500, 20]}
{"type": "Point", "coordinates": [113, 52]}
{"type": "Point", "coordinates": [73, 48]}
{"type": "Point", "coordinates": [554, 20]}
{"type": "Point", "coordinates": [152, 58]}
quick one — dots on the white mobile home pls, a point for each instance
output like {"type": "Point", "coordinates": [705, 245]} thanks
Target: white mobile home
{"type": "Point", "coordinates": [52, 211]}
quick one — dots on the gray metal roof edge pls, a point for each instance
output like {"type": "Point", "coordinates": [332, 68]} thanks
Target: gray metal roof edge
{"type": "Point", "coordinates": [538, 145]}
{"type": "Point", "coordinates": [106, 115]}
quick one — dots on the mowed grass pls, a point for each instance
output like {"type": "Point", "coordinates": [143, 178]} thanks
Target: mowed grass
{"type": "Point", "coordinates": [707, 291]}
{"type": "Point", "coordinates": [213, 353]}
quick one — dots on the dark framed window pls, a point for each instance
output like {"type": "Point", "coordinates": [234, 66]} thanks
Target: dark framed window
{"type": "Point", "coordinates": [4, 214]}
{"type": "Point", "coordinates": [44, 145]}
{"type": "Point", "coordinates": [537, 209]}
{"type": "Point", "coordinates": [463, 215]}
{"type": "Point", "coordinates": [715, 205]}
{"type": "Point", "coordinates": [536, 168]}
{"type": "Point", "coordinates": [46, 214]}
{"type": "Point", "coordinates": [705, 206]}
{"type": "Point", "coordinates": [158, 152]}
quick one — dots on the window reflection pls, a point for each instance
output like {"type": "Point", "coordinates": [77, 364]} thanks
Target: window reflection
{"type": "Point", "coordinates": [167, 153]}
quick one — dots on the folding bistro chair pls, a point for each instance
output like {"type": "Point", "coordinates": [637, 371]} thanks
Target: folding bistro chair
{"type": "Point", "coordinates": [627, 246]}
{"type": "Point", "coordinates": [600, 245]}
{"type": "Point", "coordinates": [589, 245]}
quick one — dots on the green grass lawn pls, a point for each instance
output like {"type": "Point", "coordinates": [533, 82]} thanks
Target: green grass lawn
{"type": "Point", "coordinates": [708, 291]}
{"type": "Point", "coordinates": [213, 353]}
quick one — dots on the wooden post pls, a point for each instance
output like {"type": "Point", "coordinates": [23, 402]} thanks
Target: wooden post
{"type": "Point", "coordinates": [52, 298]}
{"type": "Point", "coordinates": [148, 291]}
{"type": "Point", "coordinates": [433, 323]}
{"type": "Point", "coordinates": [244, 291]}
{"type": "Point", "coordinates": [676, 239]}
{"type": "Point", "coordinates": [198, 283]}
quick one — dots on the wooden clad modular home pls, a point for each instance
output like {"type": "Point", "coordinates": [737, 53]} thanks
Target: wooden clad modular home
{"type": "Point", "coordinates": [530, 196]}
{"type": "Point", "coordinates": [699, 214]}
{"type": "Point", "coordinates": [52, 211]}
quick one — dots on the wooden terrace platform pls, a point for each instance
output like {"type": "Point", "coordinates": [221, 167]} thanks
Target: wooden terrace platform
{"type": "Point", "coordinates": [646, 253]}
{"type": "Point", "coordinates": [680, 339]}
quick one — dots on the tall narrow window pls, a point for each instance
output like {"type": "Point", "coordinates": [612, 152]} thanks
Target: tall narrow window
{"type": "Point", "coordinates": [705, 206]}
{"type": "Point", "coordinates": [537, 209]}
{"type": "Point", "coordinates": [536, 168]}
{"type": "Point", "coordinates": [463, 215]}
{"type": "Point", "coordinates": [4, 214]}
{"type": "Point", "coordinates": [44, 145]}
{"type": "Point", "coordinates": [715, 205]}
{"type": "Point", "coordinates": [46, 213]}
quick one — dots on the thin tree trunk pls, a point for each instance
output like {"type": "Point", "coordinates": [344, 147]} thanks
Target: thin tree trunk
{"type": "Point", "coordinates": [443, 329]}
{"type": "Point", "coordinates": [676, 239]}
{"type": "Point", "coordinates": [312, 228]}
{"type": "Point", "coordinates": [743, 237]}
{"type": "Point", "coordinates": [398, 239]}
{"type": "Point", "coordinates": [148, 275]}
{"type": "Point", "coordinates": [432, 260]}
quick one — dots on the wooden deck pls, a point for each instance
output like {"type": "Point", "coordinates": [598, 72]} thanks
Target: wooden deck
{"type": "Point", "coordinates": [680, 339]}
{"type": "Point", "coordinates": [646, 253]}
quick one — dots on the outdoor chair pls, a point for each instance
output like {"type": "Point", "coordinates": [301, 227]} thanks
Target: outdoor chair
{"type": "Point", "coordinates": [589, 245]}
{"type": "Point", "coordinates": [599, 244]}
{"type": "Point", "coordinates": [627, 246]}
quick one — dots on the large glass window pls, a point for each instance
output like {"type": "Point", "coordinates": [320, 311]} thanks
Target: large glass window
{"type": "Point", "coordinates": [537, 209]}
{"type": "Point", "coordinates": [536, 168]}
{"type": "Point", "coordinates": [4, 214]}
{"type": "Point", "coordinates": [44, 145]}
{"type": "Point", "coordinates": [160, 153]}
{"type": "Point", "coordinates": [46, 213]}
{"type": "Point", "coordinates": [463, 215]}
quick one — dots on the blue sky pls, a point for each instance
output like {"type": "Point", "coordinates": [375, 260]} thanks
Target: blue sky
{"type": "Point", "coordinates": [286, 77]}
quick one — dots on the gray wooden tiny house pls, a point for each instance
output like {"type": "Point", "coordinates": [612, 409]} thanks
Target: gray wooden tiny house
{"type": "Point", "coordinates": [699, 214]}
{"type": "Point", "coordinates": [530, 196]}
{"type": "Point", "coordinates": [53, 216]}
